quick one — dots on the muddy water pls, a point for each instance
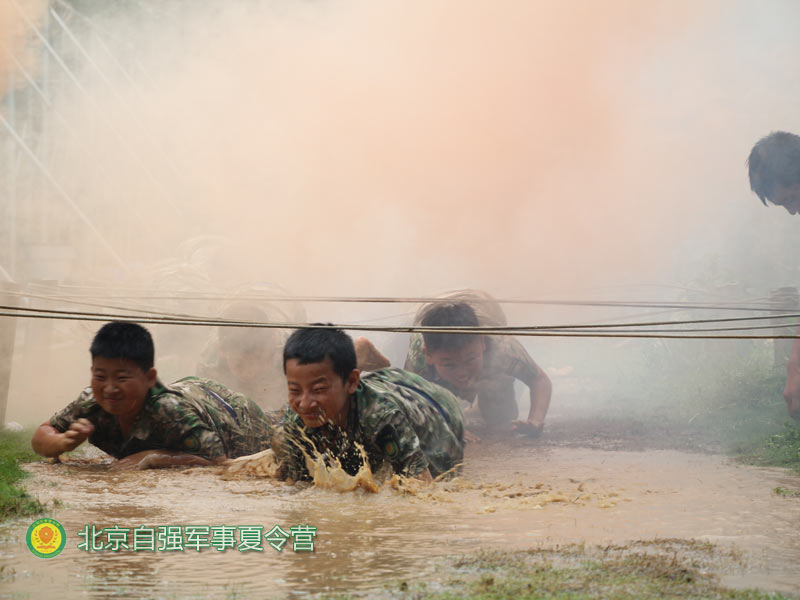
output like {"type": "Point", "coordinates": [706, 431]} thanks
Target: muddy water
{"type": "Point", "coordinates": [507, 498]}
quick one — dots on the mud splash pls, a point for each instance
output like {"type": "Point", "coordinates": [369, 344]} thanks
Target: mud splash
{"type": "Point", "coordinates": [507, 498]}
{"type": "Point", "coordinates": [326, 471]}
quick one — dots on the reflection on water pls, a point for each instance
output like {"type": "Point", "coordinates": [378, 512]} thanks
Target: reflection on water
{"type": "Point", "coordinates": [534, 496]}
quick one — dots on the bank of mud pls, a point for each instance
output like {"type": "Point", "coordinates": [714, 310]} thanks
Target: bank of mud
{"type": "Point", "coordinates": [513, 496]}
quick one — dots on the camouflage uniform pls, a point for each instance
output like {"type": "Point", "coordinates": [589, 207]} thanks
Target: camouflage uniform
{"type": "Point", "coordinates": [193, 415]}
{"type": "Point", "coordinates": [503, 361]}
{"type": "Point", "coordinates": [397, 417]}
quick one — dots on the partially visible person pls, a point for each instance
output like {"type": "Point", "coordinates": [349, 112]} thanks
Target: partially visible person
{"type": "Point", "coordinates": [479, 368]}
{"type": "Point", "coordinates": [774, 169]}
{"type": "Point", "coordinates": [397, 418]}
{"type": "Point", "coordinates": [248, 359]}
{"type": "Point", "coordinates": [128, 413]}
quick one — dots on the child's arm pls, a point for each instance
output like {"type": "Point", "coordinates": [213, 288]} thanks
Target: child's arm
{"type": "Point", "coordinates": [541, 389]}
{"type": "Point", "coordinates": [161, 459]}
{"type": "Point", "coordinates": [48, 441]}
{"type": "Point", "coordinates": [368, 357]}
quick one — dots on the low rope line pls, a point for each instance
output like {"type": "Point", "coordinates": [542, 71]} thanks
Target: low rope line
{"type": "Point", "coordinates": [205, 296]}
{"type": "Point", "coordinates": [393, 329]}
{"type": "Point", "coordinates": [511, 329]}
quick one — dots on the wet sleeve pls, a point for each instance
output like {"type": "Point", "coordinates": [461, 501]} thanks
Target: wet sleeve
{"type": "Point", "coordinates": [514, 360]}
{"type": "Point", "coordinates": [415, 359]}
{"type": "Point", "coordinates": [399, 444]}
{"type": "Point", "coordinates": [75, 410]}
{"type": "Point", "coordinates": [183, 429]}
{"type": "Point", "coordinates": [288, 442]}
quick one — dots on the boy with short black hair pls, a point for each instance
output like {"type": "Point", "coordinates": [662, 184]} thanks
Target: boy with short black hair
{"type": "Point", "coordinates": [774, 170]}
{"type": "Point", "coordinates": [128, 413]}
{"type": "Point", "coordinates": [479, 366]}
{"type": "Point", "coordinates": [395, 416]}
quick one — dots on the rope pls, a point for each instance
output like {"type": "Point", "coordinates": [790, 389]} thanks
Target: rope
{"type": "Point", "coordinates": [529, 331]}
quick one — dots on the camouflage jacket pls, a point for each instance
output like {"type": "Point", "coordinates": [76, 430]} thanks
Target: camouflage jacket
{"type": "Point", "coordinates": [396, 417]}
{"type": "Point", "coordinates": [504, 356]}
{"type": "Point", "coordinates": [197, 416]}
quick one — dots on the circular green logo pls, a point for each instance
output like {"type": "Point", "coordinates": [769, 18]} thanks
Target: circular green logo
{"type": "Point", "coordinates": [46, 538]}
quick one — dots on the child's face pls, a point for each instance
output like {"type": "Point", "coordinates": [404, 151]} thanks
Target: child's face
{"type": "Point", "coordinates": [459, 367]}
{"type": "Point", "coordinates": [317, 393]}
{"type": "Point", "coordinates": [120, 386]}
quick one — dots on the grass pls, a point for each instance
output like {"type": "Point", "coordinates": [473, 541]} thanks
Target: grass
{"type": "Point", "coordinates": [723, 397]}
{"type": "Point", "coordinates": [777, 450]}
{"type": "Point", "coordinates": [14, 502]}
{"type": "Point", "coordinates": [672, 568]}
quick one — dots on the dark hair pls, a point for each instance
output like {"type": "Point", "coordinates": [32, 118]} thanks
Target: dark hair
{"type": "Point", "coordinates": [449, 314]}
{"type": "Point", "coordinates": [120, 339]}
{"type": "Point", "coordinates": [315, 344]}
{"type": "Point", "coordinates": [774, 160]}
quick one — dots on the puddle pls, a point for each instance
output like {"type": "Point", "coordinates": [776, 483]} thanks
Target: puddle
{"type": "Point", "coordinates": [508, 498]}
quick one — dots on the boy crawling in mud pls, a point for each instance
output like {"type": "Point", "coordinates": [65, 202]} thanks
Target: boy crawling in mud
{"type": "Point", "coordinates": [474, 367]}
{"type": "Point", "coordinates": [388, 416]}
{"type": "Point", "coordinates": [128, 413]}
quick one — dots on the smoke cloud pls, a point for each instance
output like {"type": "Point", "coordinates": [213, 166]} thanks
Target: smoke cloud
{"type": "Point", "coordinates": [528, 148]}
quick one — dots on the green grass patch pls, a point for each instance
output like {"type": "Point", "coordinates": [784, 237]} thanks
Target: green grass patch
{"type": "Point", "coordinates": [779, 450]}
{"type": "Point", "coordinates": [786, 492]}
{"type": "Point", "coordinates": [649, 569]}
{"type": "Point", "coordinates": [15, 447]}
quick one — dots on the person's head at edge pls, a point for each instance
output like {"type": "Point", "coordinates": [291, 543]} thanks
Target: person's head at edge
{"type": "Point", "coordinates": [457, 357]}
{"type": "Point", "coordinates": [774, 170]}
{"type": "Point", "coordinates": [321, 374]}
{"type": "Point", "coordinates": [122, 368]}
{"type": "Point", "coordinates": [246, 350]}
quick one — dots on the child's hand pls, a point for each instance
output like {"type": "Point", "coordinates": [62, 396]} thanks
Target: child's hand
{"type": "Point", "coordinates": [135, 462]}
{"type": "Point", "coordinates": [158, 459]}
{"type": "Point", "coordinates": [77, 433]}
{"type": "Point", "coordinates": [470, 437]}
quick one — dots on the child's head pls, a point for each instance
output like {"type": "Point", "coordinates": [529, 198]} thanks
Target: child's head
{"type": "Point", "coordinates": [122, 368]}
{"type": "Point", "coordinates": [774, 168]}
{"type": "Point", "coordinates": [247, 350]}
{"type": "Point", "coordinates": [457, 357]}
{"type": "Point", "coordinates": [120, 339]}
{"type": "Point", "coordinates": [320, 367]}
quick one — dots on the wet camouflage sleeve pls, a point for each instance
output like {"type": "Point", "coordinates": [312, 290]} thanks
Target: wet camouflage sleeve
{"type": "Point", "coordinates": [77, 409]}
{"type": "Point", "coordinates": [187, 430]}
{"type": "Point", "coordinates": [395, 439]}
{"type": "Point", "coordinates": [507, 356]}
{"type": "Point", "coordinates": [210, 420]}
{"type": "Point", "coordinates": [414, 423]}
{"type": "Point", "coordinates": [106, 435]}
{"type": "Point", "coordinates": [415, 359]}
